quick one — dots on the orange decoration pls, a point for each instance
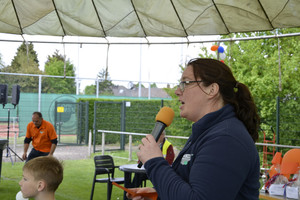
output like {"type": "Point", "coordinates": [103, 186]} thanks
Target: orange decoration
{"type": "Point", "coordinates": [292, 155]}
{"type": "Point", "coordinates": [289, 168]}
{"type": "Point", "coordinates": [272, 171]}
{"type": "Point", "coordinates": [290, 162]}
{"type": "Point", "coordinates": [277, 158]}
{"type": "Point", "coordinates": [214, 48]}
{"type": "Point", "coordinates": [150, 195]}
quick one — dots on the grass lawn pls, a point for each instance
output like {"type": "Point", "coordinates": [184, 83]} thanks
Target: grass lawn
{"type": "Point", "coordinates": [77, 182]}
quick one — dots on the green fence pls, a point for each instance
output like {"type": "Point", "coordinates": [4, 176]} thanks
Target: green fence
{"type": "Point", "coordinates": [138, 115]}
{"type": "Point", "coordinates": [67, 125]}
{"type": "Point", "coordinates": [75, 120]}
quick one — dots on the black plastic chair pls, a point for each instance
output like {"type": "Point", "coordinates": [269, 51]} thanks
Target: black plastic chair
{"type": "Point", "coordinates": [104, 164]}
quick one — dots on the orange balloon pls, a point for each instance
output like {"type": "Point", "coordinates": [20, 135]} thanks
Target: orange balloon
{"type": "Point", "coordinates": [292, 155]}
{"type": "Point", "coordinates": [214, 48]}
{"type": "Point", "coordinates": [290, 161]}
{"type": "Point", "coordinates": [289, 168]}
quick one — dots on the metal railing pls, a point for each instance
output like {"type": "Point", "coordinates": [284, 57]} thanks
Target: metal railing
{"type": "Point", "coordinates": [169, 136]}
{"type": "Point", "coordinates": [277, 145]}
{"type": "Point", "coordinates": [129, 140]}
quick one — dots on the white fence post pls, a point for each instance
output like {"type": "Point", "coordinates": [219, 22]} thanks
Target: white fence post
{"type": "Point", "coordinates": [90, 143]}
{"type": "Point", "coordinates": [103, 142]}
{"type": "Point", "coordinates": [15, 144]}
{"type": "Point", "coordinates": [130, 148]}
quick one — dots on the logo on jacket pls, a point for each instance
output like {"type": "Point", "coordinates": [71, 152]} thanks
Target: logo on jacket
{"type": "Point", "coordinates": [41, 132]}
{"type": "Point", "coordinates": [186, 158]}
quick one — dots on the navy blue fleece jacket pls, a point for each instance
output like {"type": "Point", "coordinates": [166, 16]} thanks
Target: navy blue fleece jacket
{"type": "Point", "coordinates": [219, 161]}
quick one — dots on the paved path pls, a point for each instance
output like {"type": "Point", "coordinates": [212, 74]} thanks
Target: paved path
{"type": "Point", "coordinates": [62, 152]}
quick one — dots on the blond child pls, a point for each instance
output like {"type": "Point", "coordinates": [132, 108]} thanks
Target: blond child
{"type": "Point", "coordinates": [41, 178]}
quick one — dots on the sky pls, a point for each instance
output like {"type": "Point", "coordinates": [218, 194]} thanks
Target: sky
{"type": "Point", "coordinates": [147, 63]}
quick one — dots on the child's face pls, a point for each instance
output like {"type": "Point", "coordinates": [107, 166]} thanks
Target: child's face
{"type": "Point", "coordinates": [29, 186]}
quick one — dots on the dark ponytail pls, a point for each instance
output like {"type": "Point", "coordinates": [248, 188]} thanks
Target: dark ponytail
{"type": "Point", "coordinates": [246, 110]}
{"type": "Point", "coordinates": [234, 93]}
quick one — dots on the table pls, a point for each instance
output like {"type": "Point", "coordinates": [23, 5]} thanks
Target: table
{"type": "Point", "coordinates": [128, 170]}
{"type": "Point", "coordinates": [2, 145]}
{"type": "Point", "coordinates": [267, 196]}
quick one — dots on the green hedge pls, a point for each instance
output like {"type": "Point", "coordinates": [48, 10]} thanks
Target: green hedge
{"type": "Point", "coordinates": [139, 116]}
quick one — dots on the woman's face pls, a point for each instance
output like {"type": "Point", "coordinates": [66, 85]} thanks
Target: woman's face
{"type": "Point", "coordinates": [193, 100]}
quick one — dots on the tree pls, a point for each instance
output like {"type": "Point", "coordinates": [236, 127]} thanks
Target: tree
{"type": "Point", "coordinates": [56, 66]}
{"type": "Point", "coordinates": [137, 85]}
{"type": "Point", "coordinates": [55, 55]}
{"type": "Point", "coordinates": [256, 63]}
{"type": "Point", "coordinates": [90, 90]}
{"type": "Point", "coordinates": [1, 62]}
{"type": "Point", "coordinates": [105, 85]}
{"type": "Point", "coordinates": [153, 85]}
{"type": "Point", "coordinates": [25, 61]}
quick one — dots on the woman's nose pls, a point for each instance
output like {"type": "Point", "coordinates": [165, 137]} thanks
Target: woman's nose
{"type": "Point", "coordinates": [178, 91]}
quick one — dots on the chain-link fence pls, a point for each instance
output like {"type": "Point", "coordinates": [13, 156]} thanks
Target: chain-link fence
{"type": "Point", "coordinates": [50, 94]}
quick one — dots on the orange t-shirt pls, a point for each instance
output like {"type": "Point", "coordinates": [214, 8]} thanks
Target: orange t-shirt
{"type": "Point", "coordinates": [41, 137]}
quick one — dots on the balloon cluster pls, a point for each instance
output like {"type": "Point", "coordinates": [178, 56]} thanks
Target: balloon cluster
{"type": "Point", "coordinates": [220, 50]}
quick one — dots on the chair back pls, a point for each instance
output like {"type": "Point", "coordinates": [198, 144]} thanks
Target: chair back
{"type": "Point", "coordinates": [104, 164]}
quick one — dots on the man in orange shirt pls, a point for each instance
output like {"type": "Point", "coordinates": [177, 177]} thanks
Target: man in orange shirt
{"type": "Point", "coordinates": [43, 137]}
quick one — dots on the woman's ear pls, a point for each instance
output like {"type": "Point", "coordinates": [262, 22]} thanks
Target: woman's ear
{"type": "Point", "coordinates": [214, 89]}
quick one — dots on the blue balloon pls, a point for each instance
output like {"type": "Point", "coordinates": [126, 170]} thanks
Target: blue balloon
{"type": "Point", "coordinates": [220, 49]}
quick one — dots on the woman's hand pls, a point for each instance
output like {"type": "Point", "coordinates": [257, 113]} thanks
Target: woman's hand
{"type": "Point", "coordinates": [140, 190]}
{"type": "Point", "coordinates": [148, 149]}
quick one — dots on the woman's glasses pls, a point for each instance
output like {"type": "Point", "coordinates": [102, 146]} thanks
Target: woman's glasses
{"type": "Point", "coordinates": [183, 84]}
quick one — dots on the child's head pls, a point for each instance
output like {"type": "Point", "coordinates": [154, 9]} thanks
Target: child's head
{"type": "Point", "coordinates": [43, 173]}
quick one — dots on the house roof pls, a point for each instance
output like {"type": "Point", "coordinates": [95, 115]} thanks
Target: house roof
{"type": "Point", "coordinates": [134, 92]}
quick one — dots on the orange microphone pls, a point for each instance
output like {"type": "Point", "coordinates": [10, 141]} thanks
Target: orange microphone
{"type": "Point", "coordinates": [163, 119]}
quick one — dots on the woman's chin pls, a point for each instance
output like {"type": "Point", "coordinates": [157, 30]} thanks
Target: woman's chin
{"type": "Point", "coordinates": [182, 114]}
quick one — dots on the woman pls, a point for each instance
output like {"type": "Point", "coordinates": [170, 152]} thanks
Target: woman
{"type": "Point", "coordinates": [219, 160]}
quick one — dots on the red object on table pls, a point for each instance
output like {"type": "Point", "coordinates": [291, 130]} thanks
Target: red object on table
{"type": "Point", "coordinates": [152, 195]}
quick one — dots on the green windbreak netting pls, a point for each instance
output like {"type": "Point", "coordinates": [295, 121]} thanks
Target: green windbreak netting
{"type": "Point", "coordinates": [29, 102]}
